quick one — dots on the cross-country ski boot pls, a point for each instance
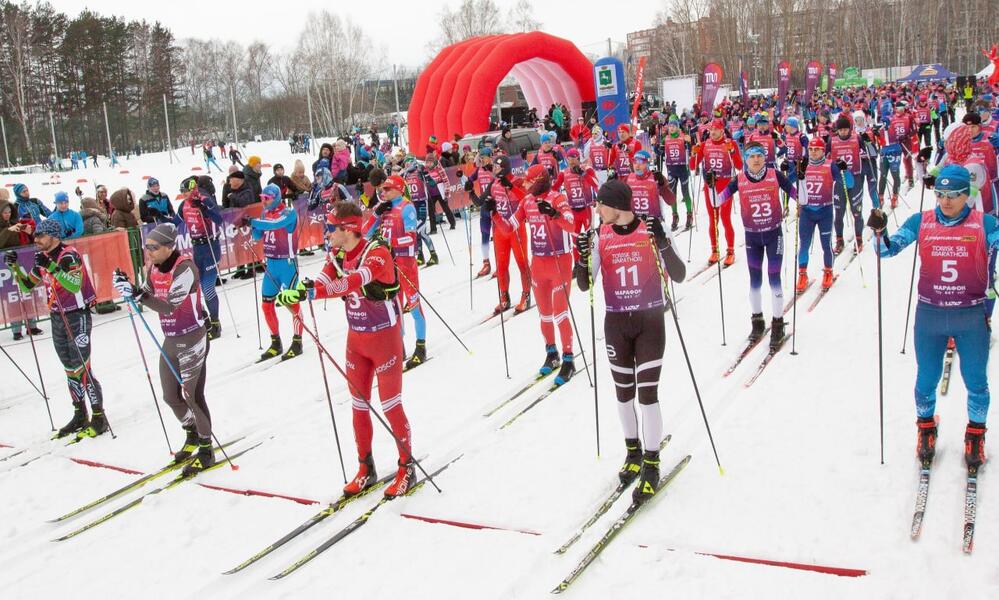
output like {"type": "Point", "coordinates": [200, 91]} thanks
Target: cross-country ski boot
{"type": "Point", "coordinates": [365, 478]}
{"type": "Point", "coordinates": [504, 303]}
{"type": "Point", "coordinates": [715, 257]}
{"type": "Point", "coordinates": [405, 477]}
{"type": "Point", "coordinates": [648, 480]}
{"type": "Point", "coordinates": [632, 461]}
{"type": "Point", "coordinates": [926, 439]}
{"type": "Point", "coordinates": [275, 349]}
{"type": "Point", "coordinates": [419, 355]}
{"type": "Point", "coordinates": [729, 257]}
{"type": "Point", "coordinates": [525, 303]}
{"type": "Point", "coordinates": [204, 458]}
{"type": "Point", "coordinates": [759, 325]}
{"type": "Point", "coordinates": [690, 221]}
{"type": "Point", "coordinates": [974, 445]}
{"type": "Point", "coordinates": [838, 248]}
{"type": "Point", "coordinates": [894, 200]}
{"type": "Point", "coordinates": [190, 445]}
{"type": "Point", "coordinates": [433, 259]}
{"type": "Point", "coordinates": [776, 333]}
{"type": "Point", "coordinates": [567, 370]}
{"type": "Point", "coordinates": [802, 284]}
{"type": "Point", "coordinates": [551, 360]}
{"type": "Point", "coordinates": [485, 270]}
{"type": "Point", "coordinates": [295, 349]}
{"type": "Point", "coordinates": [214, 329]}
{"type": "Point", "coordinates": [77, 423]}
{"type": "Point", "coordinates": [827, 278]}
{"type": "Point", "coordinates": [419, 258]}
{"type": "Point", "coordinates": [676, 222]}
{"type": "Point", "coordinates": [97, 426]}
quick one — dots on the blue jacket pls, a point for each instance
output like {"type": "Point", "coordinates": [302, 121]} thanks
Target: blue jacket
{"type": "Point", "coordinates": [71, 221]}
{"type": "Point", "coordinates": [909, 231]}
{"type": "Point", "coordinates": [155, 208]}
{"type": "Point", "coordinates": [32, 208]}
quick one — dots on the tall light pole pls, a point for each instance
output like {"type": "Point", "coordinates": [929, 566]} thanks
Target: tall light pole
{"type": "Point", "coordinates": [754, 39]}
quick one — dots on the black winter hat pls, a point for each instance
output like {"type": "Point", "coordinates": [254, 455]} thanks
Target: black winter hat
{"type": "Point", "coordinates": [236, 175]}
{"type": "Point", "coordinates": [843, 123]}
{"type": "Point", "coordinates": [615, 194]}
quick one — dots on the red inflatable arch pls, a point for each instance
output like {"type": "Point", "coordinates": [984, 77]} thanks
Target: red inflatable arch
{"type": "Point", "coordinates": [455, 93]}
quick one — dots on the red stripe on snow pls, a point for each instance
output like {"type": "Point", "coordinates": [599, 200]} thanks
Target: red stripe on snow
{"type": "Point", "coordinates": [100, 465]}
{"type": "Point", "coordinates": [220, 488]}
{"type": "Point", "coordinates": [5, 446]}
{"type": "Point", "coordinates": [466, 525]}
{"type": "Point", "coordinates": [840, 571]}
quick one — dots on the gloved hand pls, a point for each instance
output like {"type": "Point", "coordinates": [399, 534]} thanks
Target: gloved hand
{"type": "Point", "coordinates": [43, 261]}
{"type": "Point", "coordinates": [802, 166]}
{"type": "Point", "coordinates": [489, 204]}
{"type": "Point", "coordinates": [611, 174]}
{"type": "Point", "coordinates": [655, 228]}
{"type": "Point", "coordinates": [545, 208]}
{"type": "Point", "coordinates": [506, 183]}
{"type": "Point", "coordinates": [924, 154]}
{"type": "Point", "coordinates": [842, 165]}
{"type": "Point", "coordinates": [660, 180]}
{"type": "Point", "coordinates": [304, 289]}
{"type": "Point", "coordinates": [10, 258]}
{"type": "Point", "coordinates": [488, 167]}
{"type": "Point", "coordinates": [383, 207]}
{"type": "Point", "coordinates": [607, 144]}
{"type": "Point", "coordinates": [583, 241]}
{"type": "Point", "coordinates": [709, 178]}
{"type": "Point", "coordinates": [578, 170]}
{"type": "Point", "coordinates": [122, 284]}
{"type": "Point", "coordinates": [878, 220]}
{"type": "Point", "coordinates": [243, 222]}
{"type": "Point", "coordinates": [929, 180]}
{"type": "Point", "coordinates": [523, 155]}
{"type": "Point", "coordinates": [469, 185]}
{"type": "Point", "coordinates": [784, 167]}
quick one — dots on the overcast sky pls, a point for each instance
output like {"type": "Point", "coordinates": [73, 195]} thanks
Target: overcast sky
{"type": "Point", "coordinates": [403, 27]}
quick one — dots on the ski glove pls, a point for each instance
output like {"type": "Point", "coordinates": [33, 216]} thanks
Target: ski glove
{"type": "Point", "coordinates": [709, 178]}
{"type": "Point", "coordinates": [655, 229]}
{"type": "Point", "coordinates": [469, 185]}
{"type": "Point", "coordinates": [583, 241]}
{"type": "Point", "coordinates": [10, 257]}
{"type": "Point", "coordinates": [545, 208]}
{"type": "Point", "coordinates": [878, 220]}
{"type": "Point", "coordinates": [304, 290]}
{"type": "Point", "coordinates": [489, 204]}
{"type": "Point", "coordinates": [929, 180]}
{"type": "Point", "coordinates": [784, 168]}
{"type": "Point", "coordinates": [383, 208]}
{"type": "Point", "coordinates": [842, 165]}
{"type": "Point", "coordinates": [802, 166]}
{"type": "Point", "coordinates": [43, 261]}
{"type": "Point", "coordinates": [122, 285]}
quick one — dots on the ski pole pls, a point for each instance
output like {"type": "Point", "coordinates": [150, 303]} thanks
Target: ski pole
{"type": "Point", "coordinates": [358, 396]}
{"type": "Point", "coordinates": [794, 301]}
{"type": "Point", "coordinates": [593, 342]}
{"type": "Point", "coordinates": [853, 213]}
{"type": "Point", "coordinates": [177, 377]}
{"type": "Point", "coordinates": [149, 378]}
{"type": "Point", "coordinates": [468, 234]}
{"type": "Point", "coordinates": [912, 277]}
{"type": "Point", "coordinates": [329, 398]}
{"type": "Point", "coordinates": [89, 379]}
{"type": "Point", "coordinates": [38, 366]}
{"type": "Point", "coordinates": [697, 192]}
{"type": "Point", "coordinates": [721, 296]}
{"type": "Point", "coordinates": [446, 244]}
{"type": "Point", "coordinates": [256, 308]}
{"type": "Point", "coordinates": [431, 306]}
{"type": "Point", "coordinates": [218, 270]}
{"type": "Point", "coordinates": [881, 358]}
{"type": "Point", "coordinates": [506, 357]}
{"type": "Point", "coordinates": [25, 375]}
{"type": "Point", "coordinates": [686, 355]}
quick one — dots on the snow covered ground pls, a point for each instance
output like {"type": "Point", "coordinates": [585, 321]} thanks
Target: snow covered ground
{"type": "Point", "coordinates": [803, 481]}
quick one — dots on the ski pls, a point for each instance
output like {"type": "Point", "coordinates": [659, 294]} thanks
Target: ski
{"type": "Point", "coordinates": [922, 493]}
{"type": "Point", "coordinates": [750, 346]}
{"type": "Point", "coordinates": [700, 272]}
{"type": "Point", "coordinates": [945, 379]}
{"type": "Point", "coordinates": [766, 361]}
{"type": "Point", "coordinates": [355, 525]}
{"type": "Point", "coordinates": [551, 390]}
{"type": "Point", "coordinates": [714, 273]}
{"type": "Point", "coordinates": [822, 294]}
{"type": "Point", "coordinates": [335, 507]}
{"type": "Point", "coordinates": [808, 286]}
{"type": "Point", "coordinates": [173, 483]}
{"type": "Point", "coordinates": [520, 392]}
{"type": "Point", "coordinates": [408, 368]}
{"type": "Point", "coordinates": [132, 486]}
{"type": "Point", "coordinates": [970, 509]}
{"type": "Point", "coordinates": [616, 528]}
{"type": "Point", "coordinates": [604, 507]}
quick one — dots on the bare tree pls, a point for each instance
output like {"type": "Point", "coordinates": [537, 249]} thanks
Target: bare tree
{"type": "Point", "coordinates": [15, 63]}
{"type": "Point", "coordinates": [521, 18]}
{"type": "Point", "coordinates": [471, 19]}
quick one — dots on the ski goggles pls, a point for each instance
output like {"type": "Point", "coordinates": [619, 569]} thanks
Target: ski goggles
{"type": "Point", "coordinates": [950, 194]}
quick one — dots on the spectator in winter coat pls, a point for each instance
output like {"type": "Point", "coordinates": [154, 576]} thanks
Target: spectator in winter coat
{"type": "Point", "coordinates": [287, 186]}
{"type": "Point", "coordinates": [14, 233]}
{"type": "Point", "coordinates": [28, 207]}
{"type": "Point", "coordinates": [103, 201]}
{"type": "Point", "coordinates": [580, 133]}
{"type": "Point", "coordinates": [123, 216]}
{"type": "Point", "coordinates": [325, 153]}
{"type": "Point", "coordinates": [506, 144]}
{"type": "Point", "coordinates": [240, 193]}
{"type": "Point", "coordinates": [449, 156]}
{"type": "Point", "coordinates": [340, 161]}
{"type": "Point", "coordinates": [95, 220]}
{"type": "Point", "coordinates": [300, 179]}
{"type": "Point", "coordinates": [154, 206]}
{"type": "Point", "coordinates": [71, 221]}
{"type": "Point", "coordinates": [251, 174]}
